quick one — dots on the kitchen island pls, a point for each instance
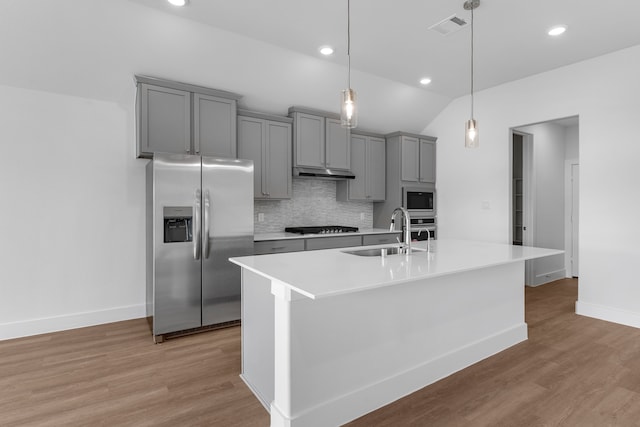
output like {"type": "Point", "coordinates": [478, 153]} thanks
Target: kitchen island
{"type": "Point", "coordinates": [328, 336]}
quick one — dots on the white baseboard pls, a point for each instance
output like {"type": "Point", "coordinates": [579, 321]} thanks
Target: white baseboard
{"type": "Point", "coordinates": [30, 327]}
{"type": "Point", "coordinates": [610, 314]}
{"type": "Point", "coordinates": [348, 407]}
{"type": "Point", "coordinates": [548, 277]}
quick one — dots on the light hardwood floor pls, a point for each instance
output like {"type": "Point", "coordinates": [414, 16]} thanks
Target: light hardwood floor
{"type": "Point", "coordinates": [573, 371]}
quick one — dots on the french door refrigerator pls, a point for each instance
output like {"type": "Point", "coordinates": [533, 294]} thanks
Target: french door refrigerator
{"type": "Point", "coordinates": [199, 213]}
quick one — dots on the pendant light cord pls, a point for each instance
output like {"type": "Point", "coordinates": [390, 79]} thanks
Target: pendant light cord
{"type": "Point", "coordinates": [349, 44]}
{"type": "Point", "coordinates": [472, 7]}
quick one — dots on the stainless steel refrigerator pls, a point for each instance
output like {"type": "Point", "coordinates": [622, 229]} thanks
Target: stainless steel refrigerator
{"type": "Point", "coordinates": [199, 213]}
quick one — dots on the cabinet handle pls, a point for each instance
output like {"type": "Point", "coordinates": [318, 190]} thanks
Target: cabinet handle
{"type": "Point", "coordinates": [277, 248]}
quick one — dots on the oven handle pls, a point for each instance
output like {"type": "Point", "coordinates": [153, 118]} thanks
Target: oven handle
{"type": "Point", "coordinates": [430, 227]}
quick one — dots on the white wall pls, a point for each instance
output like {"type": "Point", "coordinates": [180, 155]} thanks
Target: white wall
{"type": "Point", "coordinates": [72, 247]}
{"type": "Point", "coordinates": [603, 92]}
{"type": "Point", "coordinates": [72, 199]}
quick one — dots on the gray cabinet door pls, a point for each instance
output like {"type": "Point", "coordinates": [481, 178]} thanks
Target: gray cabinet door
{"type": "Point", "coordinates": [337, 145]}
{"type": "Point", "coordinates": [278, 160]}
{"type": "Point", "coordinates": [376, 169]}
{"type": "Point", "coordinates": [214, 122]}
{"type": "Point", "coordinates": [165, 120]}
{"type": "Point", "coordinates": [410, 168]}
{"type": "Point", "coordinates": [251, 146]}
{"type": "Point", "coordinates": [268, 144]}
{"type": "Point", "coordinates": [381, 239]}
{"type": "Point", "coordinates": [309, 143]}
{"type": "Point", "coordinates": [358, 186]}
{"type": "Point", "coordinates": [427, 161]}
{"type": "Point", "coordinates": [277, 246]}
{"type": "Point", "coordinates": [368, 163]}
{"type": "Point", "coordinates": [332, 242]}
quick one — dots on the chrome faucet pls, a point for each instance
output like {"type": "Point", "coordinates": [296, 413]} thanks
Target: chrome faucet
{"type": "Point", "coordinates": [428, 238]}
{"type": "Point", "coordinates": [406, 228]}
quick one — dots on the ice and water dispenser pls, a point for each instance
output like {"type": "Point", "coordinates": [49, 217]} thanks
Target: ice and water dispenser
{"type": "Point", "coordinates": [177, 224]}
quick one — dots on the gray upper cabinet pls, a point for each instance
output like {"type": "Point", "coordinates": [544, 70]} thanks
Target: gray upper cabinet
{"type": "Point", "coordinates": [319, 140]}
{"type": "Point", "coordinates": [368, 163]}
{"type": "Point", "coordinates": [338, 151]}
{"type": "Point", "coordinates": [427, 161]}
{"type": "Point", "coordinates": [418, 158]}
{"type": "Point", "coordinates": [266, 140]}
{"type": "Point", "coordinates": [309, 140]}
{"type": "Point", "coordinates": [175, 117]}
{"type": "Point", "coordinates": [410, 167]}
{"type": "Point", "coordinates": [164, 120]}
{"type": "Point", "coordinates": [214, 125]}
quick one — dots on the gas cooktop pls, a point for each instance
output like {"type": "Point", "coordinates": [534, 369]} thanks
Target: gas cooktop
{"type": "Point", "coordinates": [324, 229]}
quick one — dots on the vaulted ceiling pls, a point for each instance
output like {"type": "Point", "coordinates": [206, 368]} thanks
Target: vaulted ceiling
{"type": "Point", "coordinates": [392, 39]}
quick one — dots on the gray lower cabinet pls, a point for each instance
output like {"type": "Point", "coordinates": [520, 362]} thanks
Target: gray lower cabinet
{"type": "Point", "coordinates": [319, 140]}
{"type": "Point", "coordinates": [179, 118]}
{"type": "Point", "coordinates": [278, 246]}
{"type": "Point", "coordinates": [263, 247]}
{"type": "Point", "coordinates": [332, 242]}
{"type": "Point", "coordinates": [368, 163]}
{"type": "Point", "coordinates": [418, 157]}
{"type": "Point", "coordinates": [266, 140]}
{"type": "Point", "coordinates": [380, 239]}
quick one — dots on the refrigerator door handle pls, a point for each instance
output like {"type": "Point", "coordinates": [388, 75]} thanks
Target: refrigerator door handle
{"type": "Point", "coordinates": [197, 232]}
{"type": "Point", "coordinates": [206, 224]}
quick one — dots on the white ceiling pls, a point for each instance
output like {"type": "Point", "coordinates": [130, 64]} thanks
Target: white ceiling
{"type": "Point", "coordinates": [390, 39]}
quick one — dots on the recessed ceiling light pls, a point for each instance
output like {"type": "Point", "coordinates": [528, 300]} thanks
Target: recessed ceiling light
{"type": "Point", "coordinates": [178, 2]}
{"type": "Point", "coordinates": [326, 50]}
{"type": "Point", "coordinates": [557, 30]}
{"type": "Point", "coordinates": [425, 81]}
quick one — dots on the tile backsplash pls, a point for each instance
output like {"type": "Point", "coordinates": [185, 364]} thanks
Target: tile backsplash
{"type": "Point", "coordinates": [313, 203]}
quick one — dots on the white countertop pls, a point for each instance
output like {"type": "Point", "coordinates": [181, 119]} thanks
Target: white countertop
{"type": "Point", "coordinates": [330, 272]}
{"type": "Point", "coordinates": [284, 236]}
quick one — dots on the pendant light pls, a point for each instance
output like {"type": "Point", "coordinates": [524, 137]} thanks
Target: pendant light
{"type": "Point", "coordinates": [471, 137]}
{"type": "Point", "coordinates": [348, 108]}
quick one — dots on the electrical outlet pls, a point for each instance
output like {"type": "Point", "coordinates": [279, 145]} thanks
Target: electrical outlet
{"type": "Point", "coordinates": [361, 216]}
{"type": "Point", "coordinates": [260, 217]}
{"type": "Point", "coordinates": [486, 205]}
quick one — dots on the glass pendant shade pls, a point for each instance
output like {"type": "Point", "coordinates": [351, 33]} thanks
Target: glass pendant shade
{"type": "Point", "coordinates": [471, 137]}
{"type": "Point", "coordinates": [348, 109]}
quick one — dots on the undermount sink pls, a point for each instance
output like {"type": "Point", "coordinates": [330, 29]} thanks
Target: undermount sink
{"type": "Point", "coordinates": [387, 250]}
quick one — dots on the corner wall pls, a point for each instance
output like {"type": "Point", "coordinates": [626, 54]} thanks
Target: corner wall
{"type": "Point", "coordinates": [603, 92]}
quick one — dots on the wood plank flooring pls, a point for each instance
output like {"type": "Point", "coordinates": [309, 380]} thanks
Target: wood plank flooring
{"type": "Point", "coordinates": [573, 371]}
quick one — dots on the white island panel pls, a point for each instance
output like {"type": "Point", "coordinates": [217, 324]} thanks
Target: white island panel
{"type": "Point", "coordinates": [364, 332]}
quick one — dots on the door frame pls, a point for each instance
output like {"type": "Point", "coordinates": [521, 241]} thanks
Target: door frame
{"type": "Point", "coordinates": [528, 197]}
{"type": "Point", "coordinates": [568, 216]}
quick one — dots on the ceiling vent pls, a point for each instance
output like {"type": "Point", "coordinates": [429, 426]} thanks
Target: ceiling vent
{"type": "Point", "coordinates": [449, 25]}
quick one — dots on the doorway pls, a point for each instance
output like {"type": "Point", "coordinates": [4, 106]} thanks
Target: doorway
{"type": "Point", "coordinates": [545, 196]}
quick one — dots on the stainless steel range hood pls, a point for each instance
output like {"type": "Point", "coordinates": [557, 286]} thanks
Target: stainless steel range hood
{"type": "Point", "coordinates": [332, 174]}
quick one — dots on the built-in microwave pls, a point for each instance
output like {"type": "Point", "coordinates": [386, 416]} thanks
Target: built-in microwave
{"type": "Point", "coordinates": [420, 201]}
